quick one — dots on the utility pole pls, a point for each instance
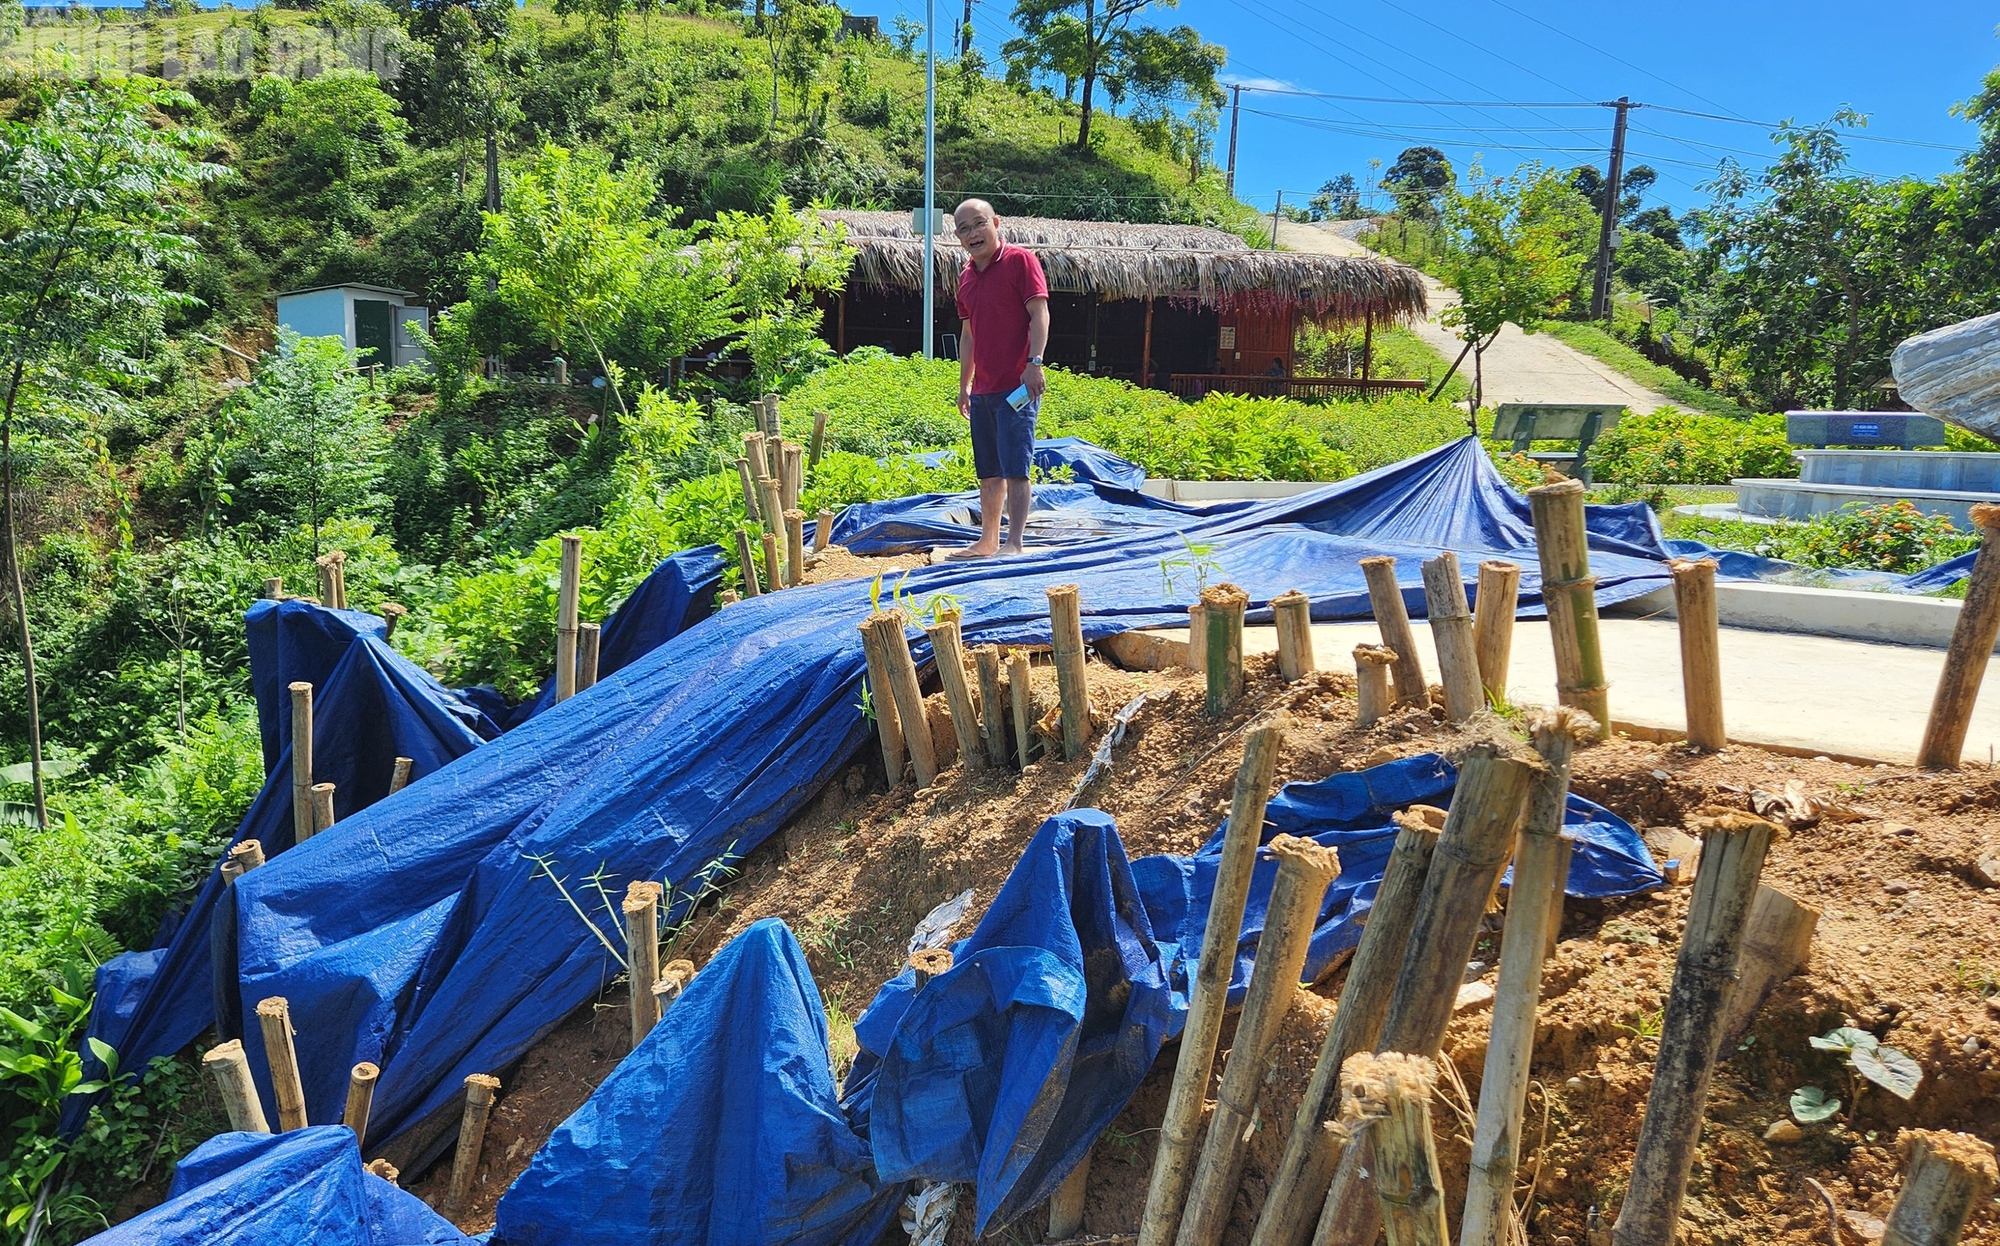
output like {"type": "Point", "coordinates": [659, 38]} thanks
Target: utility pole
{"type": "Point", "coordinates": [965, 32]}
{"type": "Point", "coordinates": [1600, 294]}
{"type": "Point", "coordinates": [930, 178]}
{"type": "Point", "coordinates": [1235, 112]}
{"type": "Point", "coordinates": [1275, 209]}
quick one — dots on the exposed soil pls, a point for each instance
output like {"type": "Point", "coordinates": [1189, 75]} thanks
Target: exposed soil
{"type": "Point", "coordinates": [1905, 948]}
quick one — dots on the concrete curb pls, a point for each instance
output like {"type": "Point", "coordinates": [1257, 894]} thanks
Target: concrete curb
{"type": "Point", "coordinates": [1888, 618]}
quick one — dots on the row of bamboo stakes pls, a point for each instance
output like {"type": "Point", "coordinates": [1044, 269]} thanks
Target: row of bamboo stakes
{"type": "Point", "coordinates": [772, 471]}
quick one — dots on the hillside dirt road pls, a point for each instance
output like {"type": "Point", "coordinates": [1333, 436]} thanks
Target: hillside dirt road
{"type": "Point", "coordinates": [1518, 367]}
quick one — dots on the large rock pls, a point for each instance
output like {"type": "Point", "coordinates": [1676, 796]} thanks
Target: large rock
{"type": "Point", "coordinates": [1954, 373]}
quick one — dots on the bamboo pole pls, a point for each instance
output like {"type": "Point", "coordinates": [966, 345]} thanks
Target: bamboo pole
{"type": "Point", "coordinates": [1392, 618]}
{"type": "Point", "coordinates": [751, 510]}
{"type": "Point", "coordinates": [1310, 1152]}
{"type": "Point", "coordinates": [1534, 912]}
{"type": "Point", "coordinates": [948, 648]}
{"type": "Point", "coordinates": [642, 947]}
{"type": "Point", "coordinates": [480, 1088]}
{"type": "Point", "coordinates": [882, 702]}
{"type": "Point", "coordinates": [1493, 624]}
{"type": "Point", "coordinates": [274, 1018]}
{"type": "Point", "coordinates": [1305, 870]}
{"type": "Point", "coordinates": [339, 579]}
{"type": "Point", "coordinates": [1222, 643]}
{"type": "Point", "coordinates": [771, 499]}
{"type": "Point", "coordinates": [773, 569]}
{"type": "Point", "coordinates": [1173, 1163]}
{"type": "Point", "coordinates": [928, 963]}
{"type": "Point", "coordinates": [908, 694]}
{"type": "Point", "coordinates": [1371, 683]}
{"type": "Point", "coordinates": [324, 565]}
{"type": "Point", "coordinates": [384, 1169]}
{"type": "Point", "coordinates": [361, 1081]}
{"type": "Point", "coordinates": [1197, 648]}
{"type": "Point", "coordinates": [746, 558]}
{"type": "Point", "coordinates": [1451, 633]}
{"type": "Point", "coordinates": [302, 761]}
{"type": "Point", "coordinates": [1066, 633]}
{"type": "Point", "coordinates": [795, 474]}
{"type": "Point", "coordinates": [753, 450]}
{"type": "Point", "coordinates": [242, 857]}
{"type": "Point", "coordinates": [1292, 612]}
{"type": "Point", "coordinates": [566, 606]}
{"type": "Point", "coordinates": [1732, 857]}
{"type": "Point", "coordinates": [1948, 1175]}
{"type": "Point", "coordinates": [1777, 938]}
{"type": "Point", "coordinates": [818, 437]}
{"type": "Point", "coordinates": [1388, 1096]}
{"type": "Point", "coordinates": [673, 980]}
{"type": "Point", "coordinates": [322, 807]}
{"type": "Point", "coordinates": [771, 426]}
{"type": "Point", "coordinates": [1066, 1204]}
{"type": "Point", "coordinates": [588, 638]}
{"type": "Point", "coordinates": [274, 588]}
{"type": "Point", "coordinates": [230, 1068]}
{"type": "Point", "coordinates": [1021, 691]}
{"type": "Point", "coordinates": [1701, 651]}
{"type": "Point", "coordinates": [392, 613]}
{"type": "Point", "coordinates": [822, 531]}
{"type": "Point", "coordinates": [1478, 837]}
{"type": "Point", "coordinates": [1569, 593]}
{"type": "Point", "coordinates": [795, 548]}
{"type": "Point", "coordinates": [992, 709]}
{"type": "Point", "coordinates": [1972, 639]}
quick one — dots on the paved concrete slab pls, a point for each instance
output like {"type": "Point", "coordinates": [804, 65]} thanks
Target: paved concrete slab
{"type": "Point", "coordinates": [1817, 694]}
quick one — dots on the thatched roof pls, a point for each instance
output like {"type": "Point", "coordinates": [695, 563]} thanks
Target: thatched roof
{"type": "Point", "coordinates": [1120, 261]}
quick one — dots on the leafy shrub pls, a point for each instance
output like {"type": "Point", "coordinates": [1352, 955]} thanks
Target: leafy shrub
{"type": "Point", "coordinates": [1675, 447]}
{"type": "Point", "coordinates": [1894, 536]}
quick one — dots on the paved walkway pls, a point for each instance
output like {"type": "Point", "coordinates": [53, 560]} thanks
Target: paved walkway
{"type": "Point", "coordinates": [1846, 698]}
{"type": "Point", "coordinates": [1518, 367]}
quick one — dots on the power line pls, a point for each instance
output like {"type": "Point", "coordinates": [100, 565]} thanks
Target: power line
{"type": "Point", "coordinates": [1612, 56]}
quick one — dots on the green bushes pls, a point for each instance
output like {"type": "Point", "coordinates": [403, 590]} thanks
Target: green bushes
{"type": "Point", "coordinates": [1675, 447]}
{"type": "Point", "coordinates": [1894, 537]}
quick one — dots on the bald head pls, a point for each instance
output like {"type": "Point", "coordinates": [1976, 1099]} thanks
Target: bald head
{"type": "Point", "coordinates": [978, 228]}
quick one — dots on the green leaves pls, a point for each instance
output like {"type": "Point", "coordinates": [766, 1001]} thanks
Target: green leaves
{"type": "Point", "coordinates": [1810, 1105]}
{"type": "Point", "coordinates": [1517, 247]}
{"type": "Point", "coordinates": [1888, 1068]}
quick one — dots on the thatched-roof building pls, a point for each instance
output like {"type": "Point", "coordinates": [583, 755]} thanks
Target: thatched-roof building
{"type": "Point", "coordinates": [1200, 304]}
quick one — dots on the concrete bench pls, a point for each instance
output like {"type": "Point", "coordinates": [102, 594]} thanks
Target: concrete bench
{"type": "Point", "coordinates": [1903, 430]}
{"type": "Point", "coordinates": [1525, 423]}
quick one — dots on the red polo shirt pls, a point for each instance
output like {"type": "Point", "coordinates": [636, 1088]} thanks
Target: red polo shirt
{"type": "Point", "coordinates": [995, 303]}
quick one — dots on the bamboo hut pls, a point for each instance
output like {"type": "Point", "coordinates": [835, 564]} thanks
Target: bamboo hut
{"type": "Point", "coordinates": [1207, 310]}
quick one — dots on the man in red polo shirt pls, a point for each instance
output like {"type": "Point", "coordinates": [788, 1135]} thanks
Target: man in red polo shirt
{"type": "Point", "coordinates": [1003, 304]}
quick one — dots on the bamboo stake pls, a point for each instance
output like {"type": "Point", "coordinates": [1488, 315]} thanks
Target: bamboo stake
{"type": "Point", "coordinates": [392, 613]}
{"type": "Point", "coordinates": [1388, 1097]}
{"type": "Point", "coordinates": [1493, 624]}
{"type": "Point", "coordinates": [773, 569]}
{"type": "Point", "coordinates": [822, 531]}
{"type": "Point", "coordinates": [794, 474]}
{"type": "Point", "coordinates": [384, 1169]}
{"type": "Point", "coordinates": [928, 963]}
{"type": "Point", "coordinates": [566, 605]}
{"type": "Point", "coordinates": [1451, 633]}
{"type": "Point", "coordinates": [1777, 938]}
{"type": "Point", "coordinates": [324, 563]}
{"type": "Point", "coordinates": [1292, 612]}
{"type": "Point", "coordinates": [588, 637]}
{"type": "Point", "coordinates": [242, 857]}
{"type": "Point", "coordinates": [1534, 912]}
{"type": "Point", "coordinates": [302, 761]}
{"type": "Point", "coordinates": [673, 980]}
{"type": "Point", "coordinates": [1701, 651]}
{"type": "Point", "coordinates": [1021, 690]}
{"type": "Point", "coordinates": [1173, 1163]}
{"type": "Point", "coordinates": [274, 588]}
{"type": "Point", "coordinates": [339, 579]}
{"type": "Point", "coordinates": [888, 728]}
{"type": "Point", "coordinates": [1392, 618]}
{"type": "Point", "coordinates": [727, 597]}
{"type": "Point", "coordinates": [1948, 1175]}
{"type": "Point", "coordinates": [747, 560]}
{"type": "Point", "coordinates": [230, 1068]}
{"type": "Point", "coordinates": [1371, 683]}
{"type": "Point", "coordinates": [642, 946]}
{"type": "Point", "coordinates": [992, 710]}
{"type": "Point", "coordinates": [1222, 660]}
{"type": "Point", "coordinates": [948, 647]}
{"type": "Point", "coordinates": [1197, 649]}
{"type": "Point", "coordinates": [772, 500]}
{"type": "Point", "coordinates": [753, 450]}
{"type": "Point", "coordinates": [1972, 639]}
{"type": "Point", "coordinates": [1732, 857]}
{"type": "Point", "coordinates": [795, 548]}
{"type": "Point", "coordinates": [1310, 1152]}
{"type": "Point", "coordinates": [772, 428]}
{"type": "Point", "coordinates": [360, 1097]}
{"type": "Point", "coordinates": [751, 510]}
{"type": "Point", "coordinates": [1066, 632]}
{"type": "Point", "coordinates": [1478, 836]}
{"type": "Point", "coordinates": [1569, 593]}
{"type": "Point", "coordinates": [1305, 870]}
{"type": "Point", "coordinates": [322, 807]}
{"type": "Point", "coordinates": [480, 1089]}
{"type": "Point", "coordinates": [1066, 1204]}
{"type": "Point", "coordinates": [274, 1017]}
{"type": "Point", "coordinates": [908, 694]}
{"type": "Point", "coordinates": [818, 437]}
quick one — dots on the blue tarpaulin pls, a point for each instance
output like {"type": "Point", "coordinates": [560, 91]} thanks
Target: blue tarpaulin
{"type": "Point", "coordinates": [424, 933]}
{"type": "Point", "coordinates": [722, 1128]}
{"type": "Point", "coordinates": [307, 1186]}
{"type": "Point", "coordinates": [1733, 564]}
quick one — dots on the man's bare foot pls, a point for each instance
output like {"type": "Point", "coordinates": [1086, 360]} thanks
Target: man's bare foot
{"type": "Point", "coordinates": [969, 552]}
{"type": "Point", "coordinates": [1011, 551]}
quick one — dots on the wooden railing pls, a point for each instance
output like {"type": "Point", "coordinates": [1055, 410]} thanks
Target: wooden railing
{"type": "Point", "coordinates": [1195, 384]}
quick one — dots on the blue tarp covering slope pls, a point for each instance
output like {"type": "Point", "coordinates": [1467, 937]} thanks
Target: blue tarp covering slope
{"type": "Point", "coordinates": [422, 933]}
{"type": "Point", "coordinates": [307, 1186]}
{"type": "Point", "coordinates": [722, 1128]}
{"type": "Point", "coordinates": [1735, 564]}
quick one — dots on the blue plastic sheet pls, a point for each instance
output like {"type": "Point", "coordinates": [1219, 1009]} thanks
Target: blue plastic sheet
{"type": "Point", "coordinates": [1733, 564]}
{"type": "Point", "coordinates": [424, 933]}
{"type": "Point", "coordinates": [303, 1186]}
{"type": "Point", "coordinates": [722, 1128]}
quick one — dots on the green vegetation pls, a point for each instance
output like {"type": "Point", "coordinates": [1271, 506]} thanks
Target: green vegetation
{"type": "Point", "coordinates": [1606, 346]}
{"type": "Point", "coordinates": [1894, 537]}
{"type": "Point", "coordinates": [1674, 447]}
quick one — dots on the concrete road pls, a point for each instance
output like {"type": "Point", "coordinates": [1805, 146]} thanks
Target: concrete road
{"type": "Point", "coordinates": [1518, 367]}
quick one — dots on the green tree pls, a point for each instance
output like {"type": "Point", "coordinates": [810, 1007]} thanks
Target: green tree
{"type": "Point", "coordinates": [1086, 41]}
{"type": "Point", "coordinates": [1515, 246]}
{"type": "Point", "coordinates": [800, 36]}
{"type": "Point", "coordinates": [1417, 180]}
{"type": "Point", "coordinates": [313, 434]}
{"type": "Point", "coordinates": [783, 262]}
{"type": "Point", "coordinates": [89, 216]}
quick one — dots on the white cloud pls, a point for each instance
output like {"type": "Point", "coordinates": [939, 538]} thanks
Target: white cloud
{"type": "Point", "coordinates": [1257, 84]}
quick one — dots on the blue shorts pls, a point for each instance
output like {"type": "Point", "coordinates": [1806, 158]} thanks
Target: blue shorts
{"type": "Point", "coordinates": [1003, 439]}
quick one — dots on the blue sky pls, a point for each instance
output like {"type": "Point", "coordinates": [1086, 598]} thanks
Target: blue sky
{"type": "Point", "coordinates": [1904, 64]}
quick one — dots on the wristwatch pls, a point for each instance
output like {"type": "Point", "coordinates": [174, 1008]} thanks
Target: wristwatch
{"type": "Point", "coordinates": [1036, 360]}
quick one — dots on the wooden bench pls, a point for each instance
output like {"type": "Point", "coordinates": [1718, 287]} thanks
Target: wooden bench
{"type": "Point", "coordinates": [1525, 423]}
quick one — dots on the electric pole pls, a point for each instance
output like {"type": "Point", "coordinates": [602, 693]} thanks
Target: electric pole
{"type": "Point", "coordinates": [930, 178]}
{"type": "Point", "coordinates": [1235, 111]}
{"type": "Point", "coordinates": [1600, 294]}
